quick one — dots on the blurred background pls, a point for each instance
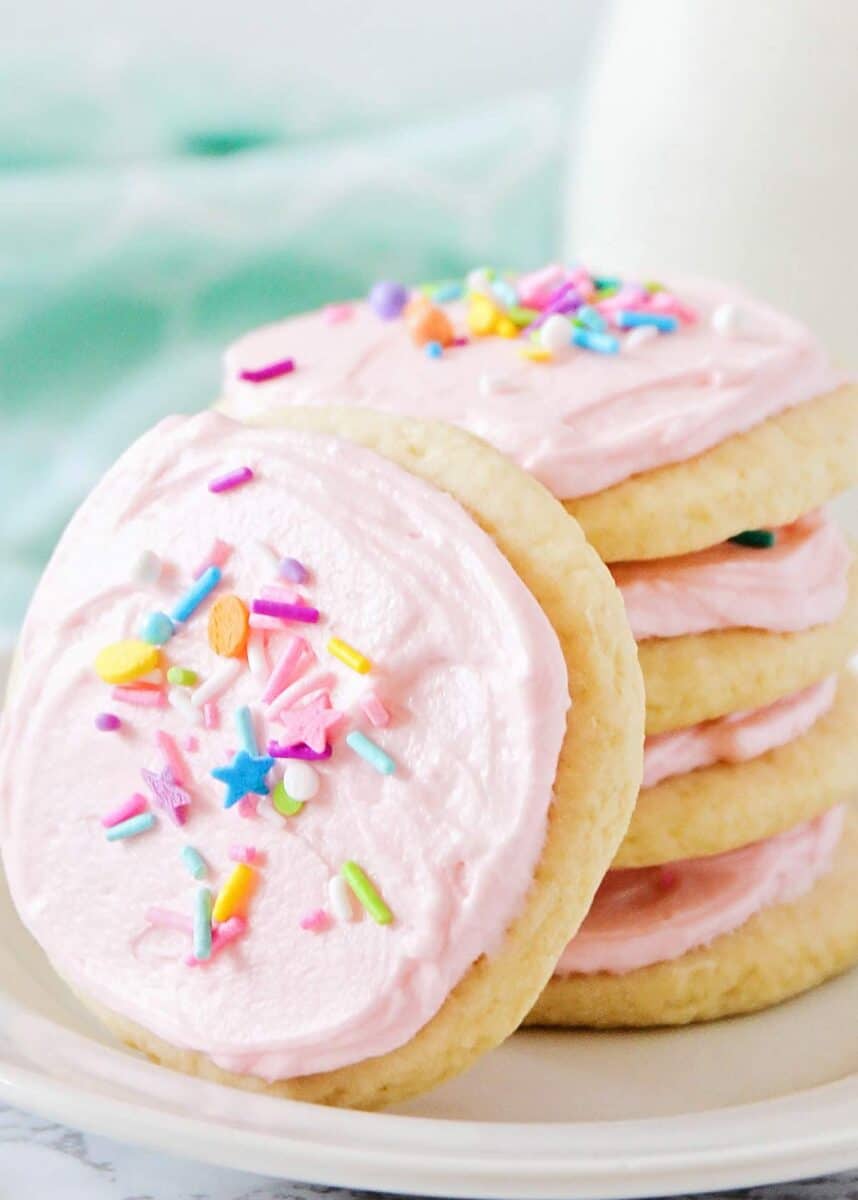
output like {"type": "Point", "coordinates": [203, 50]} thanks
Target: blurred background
{"type": "Point", "coordinates": [171, 174]}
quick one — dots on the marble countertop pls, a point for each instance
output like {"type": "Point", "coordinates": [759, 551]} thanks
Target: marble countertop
{"type": "Point", "coordinates": [40, 1159]}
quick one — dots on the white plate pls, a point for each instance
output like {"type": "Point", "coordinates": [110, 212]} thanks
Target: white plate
{"type": "Point", "coordinates": [755, 1100]}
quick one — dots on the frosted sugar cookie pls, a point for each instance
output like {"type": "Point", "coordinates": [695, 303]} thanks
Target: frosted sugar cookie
{"type": "Point", "coordinates": [286, 709]}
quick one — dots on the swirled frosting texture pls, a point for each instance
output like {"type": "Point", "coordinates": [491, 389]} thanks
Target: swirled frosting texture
{"type": "Point", "coordinates": [801, 581]}
{"type": "Point", "coordinates": [646, 915]}
{"type": "Point", "coordinates": [465, 660]}
{"type": "Point", "coordinates": [580, 423]}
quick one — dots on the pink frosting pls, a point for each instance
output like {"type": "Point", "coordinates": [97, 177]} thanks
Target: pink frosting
{"type": "Point", "coordinates": [466, 661]}
{"type": "Point", "coordinates": [645, 915]}
{"type": "Point", "coordinates": [803, 580]}
{"type": "Point", "coordinates": [737, 737]}
{"type": "Point", "coordinates": [581, 423]}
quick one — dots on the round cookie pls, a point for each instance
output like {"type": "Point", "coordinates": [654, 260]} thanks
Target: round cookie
{"type": "Point", "coordinates": [783, 950]}
{"type": "Point", "coordinates": [727, 805]}
{"type": "Point", "coordinates": [701, 676]}
{"type": "Point", "coordinates": [597, 768]}
{"type": "Point", "coordinates": [791, 463]}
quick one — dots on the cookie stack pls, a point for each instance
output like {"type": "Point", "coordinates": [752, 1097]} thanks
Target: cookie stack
{"type": "Point", "coordinates": [696, 434]}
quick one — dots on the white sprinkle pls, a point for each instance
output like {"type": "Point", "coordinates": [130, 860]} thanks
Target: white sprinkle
{"type": "Point", "coordinates": [728, 320]}
{"type": "Point", "coordinates": [478, 281]}
{"type": "Point", "coordinates": [221, 677]}
{"type": "Point", "coordinates": [300, 780]}
{"type": "Point", "coordinates": [147, 569]}
{"type": "Point", "coordinates": [257, 656]}
{"type": "Point", "coordinates": [556, 333]}
{"type": "Point", "coordinates": [179, 699]}
{"type": "Point", "coordinates": [313, 682]}
{"type": "Point", "coordinates": [340, 897]}
{"type": "Point", "coordinates": [267, 555]}
{"type": "Point", "coordinates": [639, 337]}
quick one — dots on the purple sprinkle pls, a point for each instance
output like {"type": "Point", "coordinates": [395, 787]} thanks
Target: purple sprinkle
{"type": "Point", "coordinates": [387, 299]}
{"type": "Point", "coordinates": [107, 722]}
{"type": "Point", "coordinates": [273, 371]}
{"type": "Point", "coordinates": [293, 570]}
{"type": "Point", "coordinates": [286, 612]}
{"type": "Point", "coordinates": [299, 750]}
{"type": "Point", "coordinates": [233, 479]}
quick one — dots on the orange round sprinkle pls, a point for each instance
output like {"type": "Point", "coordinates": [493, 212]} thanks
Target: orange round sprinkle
{"type": "Point", "coordinates": [427, 323]}
{"type": "Point", "coordinates": [228, 627]}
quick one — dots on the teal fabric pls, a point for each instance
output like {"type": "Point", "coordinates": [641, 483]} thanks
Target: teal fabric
{"type": "Point", "coordinates": [122, 276]}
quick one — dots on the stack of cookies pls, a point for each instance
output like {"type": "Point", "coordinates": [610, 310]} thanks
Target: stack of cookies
{"type": "Point", "coordinates": [695, 433]}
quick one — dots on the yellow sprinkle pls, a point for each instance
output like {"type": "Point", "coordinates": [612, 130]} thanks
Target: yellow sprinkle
{"type": "Point", "coordinates": [482, 315]}
{"type": "Point", "coordinates": [233, 896]}
{"type": "Point", "coordinates": [536, 354]}
{"type": "Point", "coordinates": [348, 655]}
{"type": "Point", "coordinates": [123, 662]}
{"type": "Point", "coordinates": [504, 327]}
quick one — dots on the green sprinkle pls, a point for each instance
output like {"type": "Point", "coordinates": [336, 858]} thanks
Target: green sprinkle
{"type": "Point", "coordinates": [182, 677]}
{"type": "Point", "coordinates": [522, 316]}
{"type": "Point", "coordinates": [653, 286]}
{"type": "Point", "coordinates": [363, 888]}
{"type": "Point", "coordinates": [605, 293]}
{"type": "Point", "coordinates": [756, 539]}
{"type": "Point", "coordinates": [283, 802]}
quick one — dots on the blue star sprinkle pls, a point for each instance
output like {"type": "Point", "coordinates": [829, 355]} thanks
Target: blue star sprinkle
{"type": "Point", "coordinates": [246, 773]}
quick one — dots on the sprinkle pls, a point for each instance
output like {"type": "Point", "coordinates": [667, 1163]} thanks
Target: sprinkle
{"type": "Point", "coordinates": [286, 612]}
{"type": "Point", "coordinates": [222, 676]}
{"type": "Point", "coordinates": [537, 354]}
{"type": "Point", "coordinates": [310, 723]}
{"type": "Point", "coordinates": [284, 671]}
{"type": "Point", "coordinates": [126, 661]}
{"type": "Point", "coordinates": [340, 898]}
{"type": "Point", "coordinates": [483, 315]}
{"type": "Point", "coordinates": [299, 750]}
{"type": "Point", "coordinates": [246, 773]}
{"type": "Point", "coordinates": [632, 319]}
{"type": "Point", "coordinates": [447, 292]}
{"type": "Point", "coordinates": [504, 291]}
{"type": "Point", "coordinates": [556, 333]}
{"type": "Point", "coordinates": [728, 320]}
{"type": "Point", "coordinates": [257, 654]}
{"type": "Point", "coordinates": [755, 539]}
{"type": "Point", "coordinates": [165, 918]}
{"type": "Point", "coordinates": [246, 731]}
{"type": "Point", "coordinates": [131, 828]}
{"type": "Point", "coordinates": [668, 877]}
{"type": "Point", "coordinates": [300, 688]}
{"type": "Point", "coordinates": [132, 807]}
{"type": "Point", "coordinates": [433, 350]}
{"type": "Point", "coordinates": [202, 924]}
{"type": "Point", "coordinates": [228, 627]}
{"type": "Point", "coordinates": [222, 935]}
{"type": "Point", "coordinates": [376, 713]}
{"type": "Point", "coordinates": [147, 569]}
{"type": "Point", "coordinates": [245, 854]}
{"type": "Point", "coordinates": [192, 744]}
{"type": "Point", "coordinates": [522, 317]}
{"type": "Point", "coordinates": [387, 299]}
{"type": "Point", "coordinates": [640, 336]}
{"type": "Point", "coordinates": [211, 715]}
{"type": "Point", "coordinates": [348, 655]}
{"type": "Point", "coordinates": [143, 697]}
{"type": "Point", "coordinates": [293, 570]}
{"type": "Point", "coordinates": [182, 677]}
{"type": "Point", "coordinates": [373, 754]}
{"type": "Point", "coordinates": [602, 343]}
{"type": "Point", "coordinates": [172, 757]}
{"type": "Point", "coordinates": [283, 802]}
{"type": "Point", "coordinates": [315, 921]}
{"type": "Point", "coordinates": [591, 318]}
{"type": "Point", "coordinates": [366, 893]}
{"type": "Point", "coordinates": [426, 323]}
{"type": "Point", "coordinates": [107, 722]}
{"type": "Point", "coordinates": [233, 897]}
{"type": "Point", "coordinates": [247, 807]}
{"type": "Point", "coordinates": [196, 594]}
{"type": "Point", "coordinates": [218, 556]}
{"type": "Point", "coordinates": [157, 629]}
{"type": "Point", "coordinates": [170, 795]}
{"type": "Point", "coordinates": [335, 314]}
{"type": "Point", "coordinates": [194, 861]}
{"type": "Point", "coordinates": [232, 479]}
{"type": "Point", "coordinates": [285, 366]}
{"type": "Point", "coordinates": [181, 701]}
{"type": "Point", "coordinates": [301, 781]}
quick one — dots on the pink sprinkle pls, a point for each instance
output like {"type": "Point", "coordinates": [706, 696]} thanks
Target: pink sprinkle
{"type": "Point", "coordinates": [143, 697]}
{"type": "Point", "coordinates": [247, 807]}
{"type": "Point", "coordinates": [233, 479]}
{"type": "Point", "coordinates": [666, 303]}
{"type": "Point", "coordinates": [106, 722]}
{"type": "Point", "coordinates": [274, 370]}
{"type": "Point", "coordinates": [286, 612]}
{"type": "Point", "coordinates": [172, 757]}
{"type": "Point", "coordinates": [165, 918]}
{"type": "Point", "coordinates": [245, 854]}
{"type": "Point", "coordinates": [335, 314]}
{"type": "Point", "coordinates": [211, 715]}
{"type": "Point", "coordinates": [132, 807]}
{"type": "Point", "coordinates": [315, 921]}
{"type": "Point", "coordinates": [376, 713]}
{"type": "Point", "coordinates": [191, 743]}
{"type": "Point", "coordinates": [222, 935]}
{"type": "Point", "coordinates": [535, 289]}
{"type": "Point", "coordinates": [284, 672]}
{"type": "Point", "coordinates": [217, 556]}
{"type": "Point", "coordinates": [302, 687]}
{"type": "Point", "coordinates": [668, 877]}
{"type": "Point", "coordinates": [461, 341]}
